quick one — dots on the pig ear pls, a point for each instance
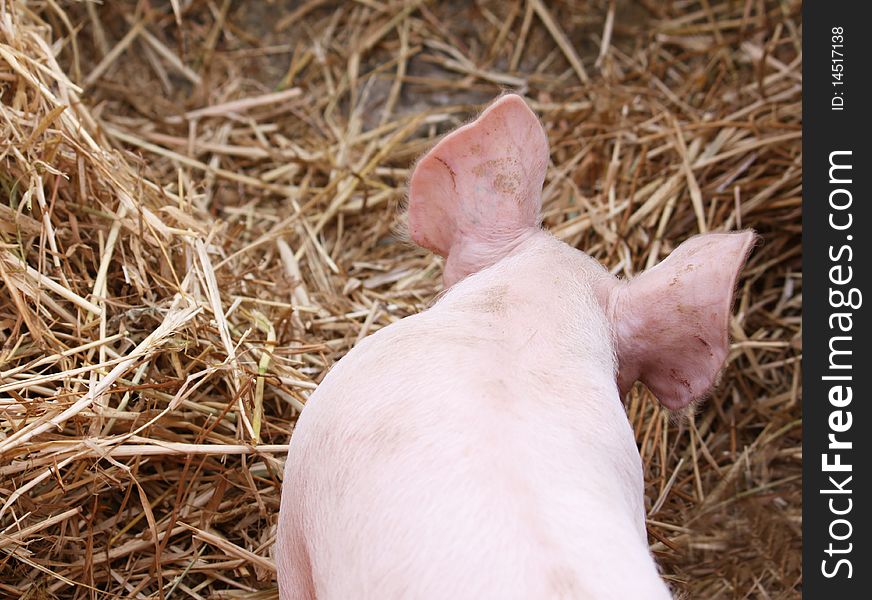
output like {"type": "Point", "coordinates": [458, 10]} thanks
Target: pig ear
{"type": "Point", "coordinates": [671, 322]}
{"type": "Point", "coordinates": [480, 187]}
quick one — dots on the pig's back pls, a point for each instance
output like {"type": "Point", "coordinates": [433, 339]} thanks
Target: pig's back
{"type": "Point", "coordinates": [430, 464]}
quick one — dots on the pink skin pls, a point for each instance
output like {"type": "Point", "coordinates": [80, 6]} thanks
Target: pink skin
{"type": "Point", "coordinates": [480, 449]}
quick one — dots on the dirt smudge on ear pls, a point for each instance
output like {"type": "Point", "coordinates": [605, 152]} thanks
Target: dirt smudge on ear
{"type": "Point", "coordinates": [503, 173]}
{"type": "Point", "coordinates": [673, 374]}
{"type": "Point", "coordinates": [506, 184]}
{"type": "Point", "coordinates": [702, 341]}
{"type": "Point", "coordinates": [450, 172]}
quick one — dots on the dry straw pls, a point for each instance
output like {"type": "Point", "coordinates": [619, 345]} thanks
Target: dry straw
{"type": "Point", "coordinates": [198, 201]}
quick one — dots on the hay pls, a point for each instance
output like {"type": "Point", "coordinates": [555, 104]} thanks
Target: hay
{"type": "Point", "coordinates": [198, 201]}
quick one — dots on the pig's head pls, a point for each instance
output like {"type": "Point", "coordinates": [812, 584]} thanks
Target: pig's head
{"type": "Point", "coordinates": [475, 198]}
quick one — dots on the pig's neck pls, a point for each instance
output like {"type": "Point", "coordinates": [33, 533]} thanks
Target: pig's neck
{"type": "Point", "coordinates": [472, 255]}
{"type": "Point", "coordinates": [532, 335]}
{"type": "Point", "coordinates": [542, 308]}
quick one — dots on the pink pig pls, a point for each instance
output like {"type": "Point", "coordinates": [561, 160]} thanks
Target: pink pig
{"type": "Point", "coordinates": [480, 449]}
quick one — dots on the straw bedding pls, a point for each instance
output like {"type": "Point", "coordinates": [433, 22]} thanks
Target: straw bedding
{"type": "Point", "coordinates": [198, 212]}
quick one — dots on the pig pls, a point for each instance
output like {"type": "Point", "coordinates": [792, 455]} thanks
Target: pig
{"type": "Point", "coordinates": [480, 448]}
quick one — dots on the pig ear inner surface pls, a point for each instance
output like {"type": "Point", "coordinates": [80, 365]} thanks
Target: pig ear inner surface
{"type": "Point", "coordinates": [671, 322]}
{"type": "Point", "coordinates": [480, 187]}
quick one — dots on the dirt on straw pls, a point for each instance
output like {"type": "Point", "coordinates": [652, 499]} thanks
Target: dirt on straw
{"type": "Point", "coordinates": [199, 201]}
